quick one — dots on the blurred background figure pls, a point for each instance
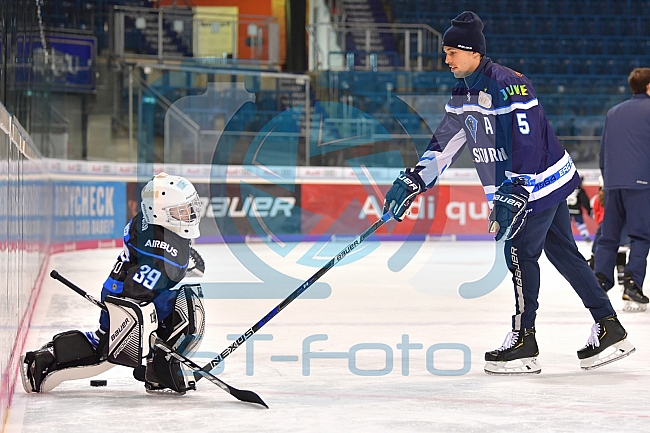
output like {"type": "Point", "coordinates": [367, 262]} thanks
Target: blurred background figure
{"type": "Point", "coordinates": [598, 212]}
{"type": "Point", "coordinates": [577, 201]}
{"type": "Point", "coordinates": [625, 166]}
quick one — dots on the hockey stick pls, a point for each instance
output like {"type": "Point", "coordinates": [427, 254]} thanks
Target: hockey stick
{"type": "Point", "coordinates": [242, 395]}
{"type": "Point", "coordinates": [304, 286]}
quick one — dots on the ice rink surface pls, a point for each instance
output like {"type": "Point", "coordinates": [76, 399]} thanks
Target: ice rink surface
{"type": "Point", "coordinates": [382, 351]}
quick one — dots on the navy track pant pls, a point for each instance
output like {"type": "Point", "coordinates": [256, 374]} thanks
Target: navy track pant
{"type": "Point", "coordinates": [550, 231]}
{"type": "Point", "coordinates": [628, 208]}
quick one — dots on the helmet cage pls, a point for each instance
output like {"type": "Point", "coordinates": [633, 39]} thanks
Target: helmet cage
{"type": "Point", "coordinates": [185, 214]}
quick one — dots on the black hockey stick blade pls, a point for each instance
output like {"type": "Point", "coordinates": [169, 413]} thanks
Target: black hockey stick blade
{"type": "Point", "coordinates": [239, 394]}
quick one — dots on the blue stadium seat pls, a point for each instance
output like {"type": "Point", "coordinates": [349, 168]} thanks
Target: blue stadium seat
{"type": "Point", "coordinates": [569, 48]}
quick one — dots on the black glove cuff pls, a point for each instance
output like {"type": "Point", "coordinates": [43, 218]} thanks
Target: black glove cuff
{"type": "Point", "coordinates": [414, 173]}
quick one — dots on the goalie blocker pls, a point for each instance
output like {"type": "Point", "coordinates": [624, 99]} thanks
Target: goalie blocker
{"type": "Point", "coordinates": [133, 327]}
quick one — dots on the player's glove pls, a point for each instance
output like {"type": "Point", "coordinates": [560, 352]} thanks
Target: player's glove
{"type": "Point", "coordinates": [196, 265]}
{"type": "Point", "coordinates": [404, 190]}
{"type": "Point", "coordinates": [508, 213]}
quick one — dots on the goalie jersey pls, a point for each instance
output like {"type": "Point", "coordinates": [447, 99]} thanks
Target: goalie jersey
{"type": "Point", "coordinates": [495, 112]}
{"type": "Point", "coordinates": [153, 260]}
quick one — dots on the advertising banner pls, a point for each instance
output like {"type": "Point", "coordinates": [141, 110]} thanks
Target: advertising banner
{"type": "Point", "coordinates": [70, 65]}
{"type": "Point", "coordinates": [85, 210]}
{"type": "Point", "coordinates": [239, 212]}
{"type": "Point", "coordinates": [460, 211]}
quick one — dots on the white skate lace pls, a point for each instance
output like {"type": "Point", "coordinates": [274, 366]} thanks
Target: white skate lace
{"type": "Point", "coordinates": [511, 340]}
{"type": "Point", "coordinates": [593, 338]}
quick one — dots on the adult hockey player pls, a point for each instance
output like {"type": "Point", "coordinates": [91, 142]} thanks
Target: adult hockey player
{"type": "Point", "coordinates": [625, 166]}
{"type": "Point", "coordinates": [527, 176]}
{"type": "Point", "coordinates": [154, 259]}
{"type": "Point", "coordinates": [577, 201]}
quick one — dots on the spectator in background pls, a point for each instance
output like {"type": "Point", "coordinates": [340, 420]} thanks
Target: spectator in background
{"type": "Point", "coordinates": [598, 213]}
{"type": "Point", "coordinates": [625, 166]}
{"type": "Point", "coordinates": [577, 201]}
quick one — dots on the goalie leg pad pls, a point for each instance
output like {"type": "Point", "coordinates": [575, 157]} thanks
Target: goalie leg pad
{"type": "Point", "coordinates": [55, 378]}
{"type": "Point", "coordinates": [61, 359]}
{"type": "Point", "coordinates": [72, 349]}
{"type": "Point", "coordinates": [183, 330]}
{"type": "Point", "coordinates": [130, 327]}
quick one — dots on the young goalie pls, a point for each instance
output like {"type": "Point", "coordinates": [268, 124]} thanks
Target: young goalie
{"type": "Point", "coordinates": [142, 299]}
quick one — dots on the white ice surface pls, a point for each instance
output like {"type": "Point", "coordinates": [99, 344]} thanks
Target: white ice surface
{"type": "Point", "coordinates": [369, 304]}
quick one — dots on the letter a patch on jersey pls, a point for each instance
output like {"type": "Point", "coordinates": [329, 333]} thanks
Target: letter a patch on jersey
{"type": "Point", "coordinates": [472, 125]}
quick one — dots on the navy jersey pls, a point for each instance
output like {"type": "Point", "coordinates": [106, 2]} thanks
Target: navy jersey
{"type": "Point", "coordinates": [495, 112]}
{"type": "Point", "coordinates": [625, 145]}
{"type": "Point", "coordinates": [152, 260]}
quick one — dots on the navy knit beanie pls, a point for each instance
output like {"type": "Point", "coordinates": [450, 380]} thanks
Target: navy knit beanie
{"type": "Point", "coordinates": [465, 33]}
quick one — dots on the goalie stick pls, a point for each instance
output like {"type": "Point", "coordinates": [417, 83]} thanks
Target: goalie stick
{"type": "Point", "coordinates": [239, 394]}
{"type": "Point", "coordinates": [304, 286]}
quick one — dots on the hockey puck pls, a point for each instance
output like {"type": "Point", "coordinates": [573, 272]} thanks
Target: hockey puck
{"type": "Point", "coordinates": [98, 383]}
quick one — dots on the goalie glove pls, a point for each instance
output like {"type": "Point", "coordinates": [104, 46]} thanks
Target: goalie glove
{"type": "Point", "coordinates": [196, 265]}
{"type": "Point", "coordinates": [508, 213]}
{"type": "Point", "coordinates": [405, 188]}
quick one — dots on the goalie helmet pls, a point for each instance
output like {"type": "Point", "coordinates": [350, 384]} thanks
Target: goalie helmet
{"type": "Point", "coordinates": [172, 202]}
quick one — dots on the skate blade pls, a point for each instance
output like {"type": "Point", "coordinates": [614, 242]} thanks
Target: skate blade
{"type": "Point", "coordinates": [634, 307]}
{"type": "Point", "coordinates": [159, 390]}
{"type": "Point", "coordinates": [165, 392]}
{"type": "Point", "coordinates": [613, 353]}
{"type": "Point", "coordinates": [515, 367]}
{"type": "Point", "coordinates": [23, 376]}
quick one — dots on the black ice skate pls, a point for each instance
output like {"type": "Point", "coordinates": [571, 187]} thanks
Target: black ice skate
{"type": "Point", "coordinates": [607, 343]}
{"type": "Point", "coordinates": [633, 298]}
{"type": "Point", "coordinates": [35, 366]}
{"type": "Point", "coordinates": [517, 355]}
{"type": "Point", "coordinates": [171, 382]}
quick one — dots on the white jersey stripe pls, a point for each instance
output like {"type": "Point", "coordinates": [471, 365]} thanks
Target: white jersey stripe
{"type": "Point", "coordinates": [492, 111]}
{"type": "Point", "coordinates": [553, 178]}
{"type": "Point", "coordinates": [442, 159]}
{"type": "Point", "coordinates": [542, 184]}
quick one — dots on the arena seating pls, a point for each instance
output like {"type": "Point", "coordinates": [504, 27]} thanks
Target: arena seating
{"type": "Point", "coordinates": [568, 48]}
{"type": "Point", "coordinates": [577, 53]}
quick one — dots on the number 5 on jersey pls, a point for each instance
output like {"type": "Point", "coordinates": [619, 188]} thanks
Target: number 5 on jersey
{"type": "Point", "coordinates": [522, 122]}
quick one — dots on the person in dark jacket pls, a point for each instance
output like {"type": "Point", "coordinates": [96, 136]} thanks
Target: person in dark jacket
{"type": "Point", "coordinates": [625, 167]}
{"type": "Point", "coordinates": [526, 176]}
